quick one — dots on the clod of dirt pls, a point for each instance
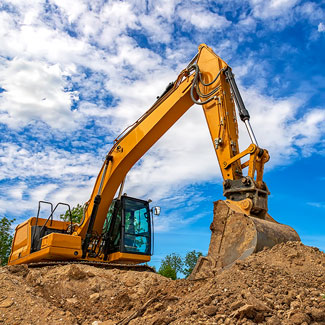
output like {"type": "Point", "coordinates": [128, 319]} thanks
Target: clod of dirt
{"type": "Point", "coordinates": [282, 285]}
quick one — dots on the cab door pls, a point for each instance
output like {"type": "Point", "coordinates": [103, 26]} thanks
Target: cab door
{"type": "Point", "coordinates": [136, 226]}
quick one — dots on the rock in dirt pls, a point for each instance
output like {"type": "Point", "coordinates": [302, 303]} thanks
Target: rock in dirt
{"type": "Point", "coordinates": [6, 303]}
{"type": "Point", "coordinates": [210, 310]}
{"type": "Point", "coordinates": [75, 273]}
{"type": "Point", "coordinates": [300, 318]}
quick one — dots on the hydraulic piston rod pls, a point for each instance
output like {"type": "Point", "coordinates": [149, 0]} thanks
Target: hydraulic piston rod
{"type": "Point", "coordinates": [243, 112]}
{"type": "Point", "coordinates": [250, 132]}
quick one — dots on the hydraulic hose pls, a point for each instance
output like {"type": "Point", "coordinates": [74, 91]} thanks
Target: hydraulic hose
{"type": "Point", "coordinates": [196, 81]}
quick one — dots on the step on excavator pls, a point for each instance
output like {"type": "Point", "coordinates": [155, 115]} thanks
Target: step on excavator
{"type": "Point", "coordinates": [120, 231]}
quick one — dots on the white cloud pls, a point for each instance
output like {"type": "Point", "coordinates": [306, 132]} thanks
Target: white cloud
{"type": "Point", "coordinates": [309, 130]}
{"type": "Point", "coordinates": [6, 23]}
{"type": "Point", "coordinates": [56, 176]}
{"type": "Point", "coordinates": [165, 8]}
{"type": "Point", "coordinates": [142, 59]}
{"type": "Point", "coordinates": [167, 223]}
{"type": "Point", "coordinates": [35, 91]}
{"type": "Point", "coordinates": [202, 18]}
{"type": "Point", "coordinates": [25, 162]}
{"type": "Point", "coordinates": [312, 11]}
{"type": "Point", "coordinates": [158, 29]}
{"type": "Point", "coordinates": [115, 18]}
{"type": "Point", "coordinates": [321, 27]}
{"type": "Point", "coordinates": [247, 23]}
{"type": "Point", "coordinates": [272, 8]}
{"type": "Point", "coordinates": [71, 191]}
{"type": "Point", "coordinates": [73, 9]}
{"type": "Point", "coordinates": [42, 192]}
{"type": "Point", "coordinates": [17, 191]}
{"type": "Point", "coordinates": [11, 208]}
{"type": "Point", "coordinates": [278, 127]}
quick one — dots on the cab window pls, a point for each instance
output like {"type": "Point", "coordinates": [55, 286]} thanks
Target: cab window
{"type": "Point", "coordinates": [137, 227]}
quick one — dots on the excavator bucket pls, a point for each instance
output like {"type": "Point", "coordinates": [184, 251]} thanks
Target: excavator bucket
{"type": "Point", "coordinates": [235, 236]}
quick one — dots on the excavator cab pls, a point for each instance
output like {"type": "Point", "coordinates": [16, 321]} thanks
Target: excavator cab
{"type": "Point", "coordinates": [128, 226]}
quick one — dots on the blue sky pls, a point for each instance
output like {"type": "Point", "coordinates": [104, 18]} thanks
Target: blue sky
{"type": "Point", "coordinates": [73, 74]}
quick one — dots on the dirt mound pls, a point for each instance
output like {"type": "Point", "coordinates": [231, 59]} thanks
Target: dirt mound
{"type": "Point", "coordinates": [282, 285]}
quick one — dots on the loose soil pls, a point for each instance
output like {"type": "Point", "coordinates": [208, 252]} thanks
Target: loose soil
{"type": "Point", "coordinates": [282, 285]}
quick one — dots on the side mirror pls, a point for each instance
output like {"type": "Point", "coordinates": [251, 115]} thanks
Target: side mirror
{"type": "Point", "coordinates": [156, 211]}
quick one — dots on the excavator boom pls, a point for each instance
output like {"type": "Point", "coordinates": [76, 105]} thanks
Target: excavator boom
{"type": "Point", "coordinates": [207, 81]}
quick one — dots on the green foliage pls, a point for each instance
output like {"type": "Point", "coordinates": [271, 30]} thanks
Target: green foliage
{"type": "Point", "coordinates": [76, 212]}
{"type": "Point", "coordinates": [5, 239]}
{"type": "Point", "coordinates": [173, 264]}
{"type": "Point", "coordinates": [190, 261]}
{"type": "Point", "coordinates": [167, 271]}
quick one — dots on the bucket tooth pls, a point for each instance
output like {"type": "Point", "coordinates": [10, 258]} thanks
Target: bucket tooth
{"type": "Point", "coordinates": [235, 236]}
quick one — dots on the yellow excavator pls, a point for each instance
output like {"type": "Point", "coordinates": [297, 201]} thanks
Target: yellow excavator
{"type": "Point", "coordinates": [120, 230]}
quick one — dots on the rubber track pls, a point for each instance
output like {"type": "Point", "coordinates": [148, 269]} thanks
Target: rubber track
{"type": "Point", "coordinates": [127, 267]}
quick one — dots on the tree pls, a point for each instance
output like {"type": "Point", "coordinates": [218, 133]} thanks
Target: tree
{"type": "Point", "coordinates": [76, 213]}
{"type": "Point", "coordinates": [167, 271]}
{"type": "Point", "coordinates": [190, 262]}
{"type": "Point", "coordinates": [5, 239]}
{"type": "Point", "coordinates": [171, 265]}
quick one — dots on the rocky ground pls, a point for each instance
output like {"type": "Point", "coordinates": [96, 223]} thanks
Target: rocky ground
{"type": "Point", "coordinates": [282, 285]}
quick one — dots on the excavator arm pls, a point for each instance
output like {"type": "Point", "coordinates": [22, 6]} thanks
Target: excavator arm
{"type": "Point", "coordinates": [207, 81]}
